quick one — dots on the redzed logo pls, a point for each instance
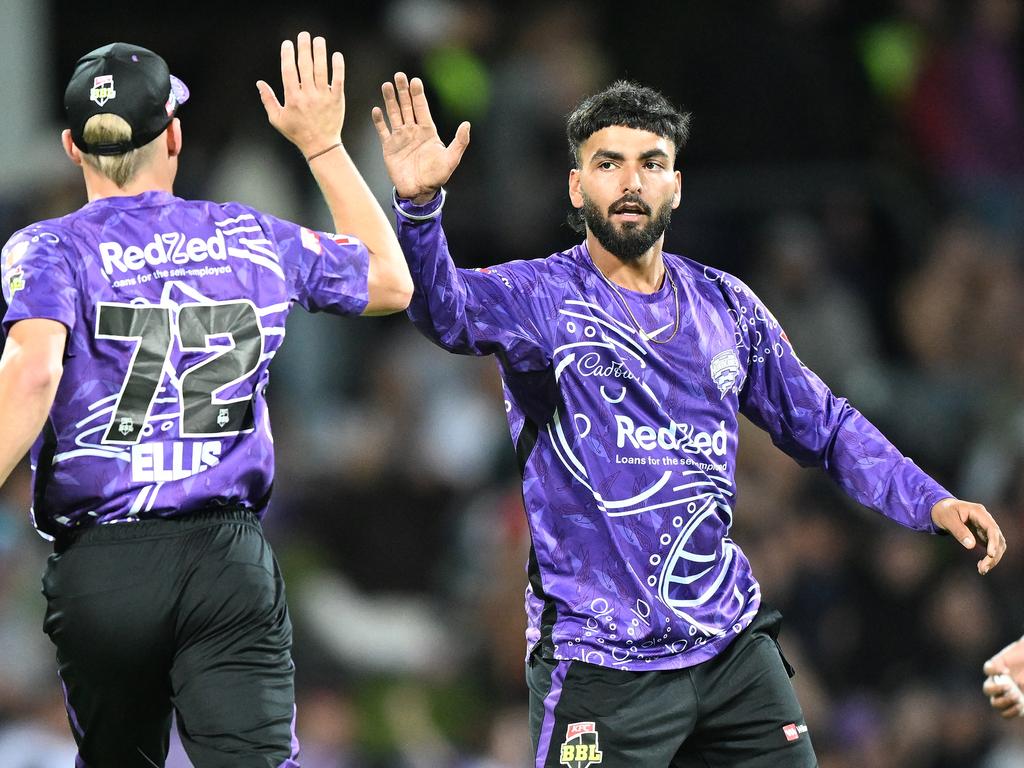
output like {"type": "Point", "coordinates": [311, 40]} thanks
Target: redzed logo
{"type": "Point", "coordinates": [792, 734]}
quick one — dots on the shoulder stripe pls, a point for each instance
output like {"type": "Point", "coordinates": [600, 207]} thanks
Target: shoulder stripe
{"type": "Point", "coordinates": [243, 217]}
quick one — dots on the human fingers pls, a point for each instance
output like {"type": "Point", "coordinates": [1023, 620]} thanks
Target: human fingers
{"type": "Point", "coordinates": [994, 666]}
{"type": "Point", "coordinates": [320, 76]}
{"type": "Point", "coordinates": [1004, 695]}
{"type": "Point", "coordinates": [380, 124]}
{"type": "Point", "coordinates": [338, 75]}
{"type": "Point", "coordinates": [1007, 706]}
{"type": "Point", "coordinates": [304, 58]}
{"type": "Point", "coordinates": [995, 686]}
{"type": "Point", "coordinates": [999, 663]}
{"type": "Point", "coordinates": [420, 107]}
{"type": "Point", "coordinates": [988, 530]}
{"type": "Point", "coordinates": [289, 74]}
{"type": "Point", "coordinates": [404, 99]}
{"type": "Point", "coordinates": [948, 515]}
{"type": "Point", "coordinates": [457, 148]}
{"type": "Point", "coordinates": [269, 99]}
{"type": "Point", "coordinates": [391, 105]}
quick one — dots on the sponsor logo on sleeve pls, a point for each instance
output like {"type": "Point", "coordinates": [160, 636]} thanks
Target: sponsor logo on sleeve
{"type": "Point", "coordinates": [490, 271]}
{"type": "Point", "coordinates": [581, 747]}
{"type": "Point", "coordinates": [311, 240]}
{"type": "Point", "coordinates": [15, 280]}
{"type": "Point", "coordinates": [342, 239]}
{"type": "Point", "coordinates": [102, 89]}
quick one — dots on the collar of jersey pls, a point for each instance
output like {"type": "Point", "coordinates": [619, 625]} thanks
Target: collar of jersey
{"type": "Point", "coordinates": [647, 298]}
{"type": "Point", "coordinates": [141, 200]}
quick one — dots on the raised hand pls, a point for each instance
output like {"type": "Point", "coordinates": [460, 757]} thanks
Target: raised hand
{"type": "Point", "coordinates": [417, 160]}
{"type": "Point", "coordinates": [966, 521]}
{"type": "Point", "coordinates": [314, 102]}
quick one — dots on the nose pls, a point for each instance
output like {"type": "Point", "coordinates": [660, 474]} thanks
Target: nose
{"type": "Point", "coordinates": [631, 183]}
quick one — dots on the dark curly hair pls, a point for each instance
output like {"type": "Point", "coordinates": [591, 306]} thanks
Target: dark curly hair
{"type": "Point", "coordinates": [623, 103]}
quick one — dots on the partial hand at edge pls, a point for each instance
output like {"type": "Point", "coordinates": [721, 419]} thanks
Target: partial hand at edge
{"type": "Point", "coordinates": [417, 161]}
{"type": "Point", "coordinates": [968, 522]}
{"type": "Point", "coordinates": [1004, 675]}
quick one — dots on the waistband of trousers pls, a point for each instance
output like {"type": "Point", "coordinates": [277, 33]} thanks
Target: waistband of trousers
{"type": "Point", "coordinates": [153, 527]}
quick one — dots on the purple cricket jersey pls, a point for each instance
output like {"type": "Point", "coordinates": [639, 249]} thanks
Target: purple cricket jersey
{"type": "Point", "coordinates": [628, 447]}
{"type": "Point", "coordinates": [174, 310]}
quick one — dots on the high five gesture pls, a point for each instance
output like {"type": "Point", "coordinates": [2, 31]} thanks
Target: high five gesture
{"type": "Point", "coordinates": [311, 118]}
{"type": "Point", "coordinates": [416, 159]}
{"type": "Point", "coordinates": [314, 102]}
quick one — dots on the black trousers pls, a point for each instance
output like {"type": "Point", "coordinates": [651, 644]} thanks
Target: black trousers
{"type": "Point", "coordinates": [737, 710]}
{"type": "Point", "coordinates": [185, 614]}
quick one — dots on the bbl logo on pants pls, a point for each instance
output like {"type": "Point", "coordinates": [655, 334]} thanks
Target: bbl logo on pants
{"type": "Point", "coordinates": [580, 748]}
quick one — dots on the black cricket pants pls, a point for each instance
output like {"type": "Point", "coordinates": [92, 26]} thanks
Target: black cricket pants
{"type": "Point", "coordinates": [737, 710]}
{"type": "Point", "coordinates": [186, 614]}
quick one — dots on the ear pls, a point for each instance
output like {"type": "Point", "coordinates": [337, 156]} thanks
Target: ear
{"type": "Point", "coordinates": [73, 152]}
{"type": "Point", "coordinates": [173, 134]}
{"type": "Point", "coordinates": [575, 188]}
{"type": "Point", "coordinates": [679, 190]}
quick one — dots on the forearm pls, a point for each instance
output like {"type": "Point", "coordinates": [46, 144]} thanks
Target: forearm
{"type": "Point", "coordinates": [26, 394]}
{"type": "Point", "coordinates": [438, 307]}
{"type": "Point", "coordinates": [871, 470]}
{"type": "Point", "coordinates": [355, 212]}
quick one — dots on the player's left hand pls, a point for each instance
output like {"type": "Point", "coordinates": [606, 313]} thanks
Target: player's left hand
{"type": "Point", "coordinates": [314, 103]}
{"type": "Point", "coordinates": [968, 522]}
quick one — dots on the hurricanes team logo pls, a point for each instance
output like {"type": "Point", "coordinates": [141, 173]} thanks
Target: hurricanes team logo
{"type": "Point", "coordinates": [580, 748]}
{"type": "Point", "coordinates": [102, 89]}
{"type": "Point", "coordinates": [725, 370]}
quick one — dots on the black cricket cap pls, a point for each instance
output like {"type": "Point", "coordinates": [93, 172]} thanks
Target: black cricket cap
{"type": "Point", "coordinates": [125, 80]}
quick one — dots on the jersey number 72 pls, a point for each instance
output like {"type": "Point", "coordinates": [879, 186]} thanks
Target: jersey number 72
{"type": "Point", "coordinates": [152, 329]}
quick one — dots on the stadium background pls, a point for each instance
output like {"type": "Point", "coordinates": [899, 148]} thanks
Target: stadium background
{"type": "Point", "coordinates": [860, 164]}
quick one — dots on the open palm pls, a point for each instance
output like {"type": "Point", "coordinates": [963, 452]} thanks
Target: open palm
{"type": "Point", "coordinates": [417, 160]}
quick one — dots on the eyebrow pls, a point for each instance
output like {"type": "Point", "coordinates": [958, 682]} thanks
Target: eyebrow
{"type": "Point", "coordinates": [608, 154]}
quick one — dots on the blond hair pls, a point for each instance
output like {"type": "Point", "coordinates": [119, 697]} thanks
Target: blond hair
{"type": "Point", "coordinates": [111, 129]}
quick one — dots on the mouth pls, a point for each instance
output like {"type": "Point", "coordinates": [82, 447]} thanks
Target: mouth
{"type": "Point", "coordinates": [630, 211]}
{"type": "Point", "coordinates": [629, 217]}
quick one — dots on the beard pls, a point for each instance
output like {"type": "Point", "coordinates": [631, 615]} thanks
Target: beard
{"type": "Point", "coordinates": [633, 239]}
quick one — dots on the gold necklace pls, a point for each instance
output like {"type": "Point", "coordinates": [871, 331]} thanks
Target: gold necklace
{"type": "Point", "coordinates": [622, 299]}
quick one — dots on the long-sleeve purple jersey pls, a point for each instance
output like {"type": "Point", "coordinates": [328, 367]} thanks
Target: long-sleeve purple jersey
{"type": "Point", "coordinates": [174, 310]}
{"type": "Point", "coordinates": [628, 447]}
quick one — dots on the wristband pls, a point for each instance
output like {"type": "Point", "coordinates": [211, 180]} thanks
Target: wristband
{"type": "Point", "coordinates": [315, 155]}
{"type": "Point", "coordinates": [415, 216]}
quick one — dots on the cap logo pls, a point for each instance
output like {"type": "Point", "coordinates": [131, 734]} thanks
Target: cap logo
{"type": "Point", "coordinates": [102, 89]}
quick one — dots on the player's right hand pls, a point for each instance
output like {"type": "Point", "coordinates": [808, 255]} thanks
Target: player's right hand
{"type": "Point", "coordinates": [417, 160]}
{"type": "Point", "coordinates": [314, 101]}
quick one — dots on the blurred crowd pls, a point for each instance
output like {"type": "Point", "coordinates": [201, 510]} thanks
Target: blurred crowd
{"type": "Point", "coordinates": [859, 163]}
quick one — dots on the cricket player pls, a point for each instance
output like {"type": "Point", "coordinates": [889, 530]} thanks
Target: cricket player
{"type": "Point", "coordinates": [625, 370]}
{"type": "Point", "coordinates": [139, 333]}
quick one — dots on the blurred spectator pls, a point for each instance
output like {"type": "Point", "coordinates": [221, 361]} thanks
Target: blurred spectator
{"type": "Point", "coordinates": [967, 116]}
